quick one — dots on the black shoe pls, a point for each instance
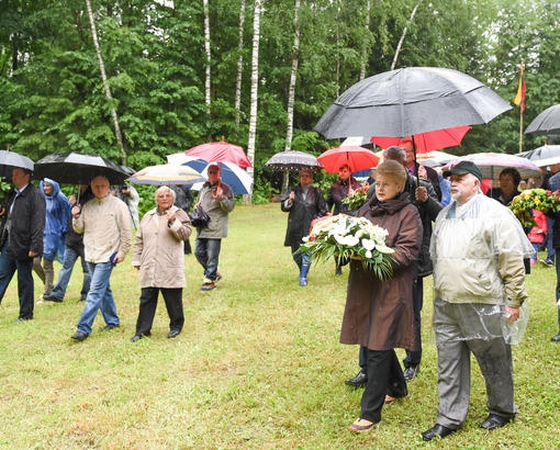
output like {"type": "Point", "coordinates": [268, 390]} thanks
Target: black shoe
{"type": "Point", "coordinates": [173, 333]}
{"type": "Point", "coordinates": [79, 336]}
{"type": "Point", "coordinates": [547, 262]}
{"type": "Point", "coordinates": [135, 338]}
{"type": "Point", "coordinates": [435, 431]}
{"type": "Point", "coordinates": [359, 380]}
{"type": "Point", "coordinates": [495, 421]}
{"type": "Point", "coordinates": [338, 271]}
{"type": "Point", "coordinates": [109, 327]}
{"type": "Point", "coordinates": [50, 298]}
{"type": "Point", "coordinates": [411, 372]}
{"type": "Point", "coordinates": [556, 338]}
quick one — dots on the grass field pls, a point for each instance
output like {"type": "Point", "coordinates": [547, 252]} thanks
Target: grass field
{"type": "Point", "coordinates": [257, 366]}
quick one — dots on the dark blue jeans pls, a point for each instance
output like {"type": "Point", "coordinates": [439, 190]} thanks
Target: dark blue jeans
{"type": "Point", "coordinates": [71, 255]}
{"type": "Point", "coordinates": [26, 286]}
{"type": "Point", "coordinates": [207, 252]}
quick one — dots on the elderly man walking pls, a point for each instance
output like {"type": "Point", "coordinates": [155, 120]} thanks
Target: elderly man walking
{"type": "Point", "coordinates": [477, 249]}
{"type": "Point", "coordinates": [106, 226]}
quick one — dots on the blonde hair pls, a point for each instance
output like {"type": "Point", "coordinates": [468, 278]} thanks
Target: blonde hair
{"type": "Point", "coordinates": [394, 170]}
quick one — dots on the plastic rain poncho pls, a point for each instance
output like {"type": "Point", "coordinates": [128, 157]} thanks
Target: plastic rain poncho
{"type": "Point", "coordinates": [478, 250]}
{"type": "Point", "coordinates": [56, 222]}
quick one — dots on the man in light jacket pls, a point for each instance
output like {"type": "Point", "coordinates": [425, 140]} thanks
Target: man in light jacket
{"type": "Point", "coordinates": [477, 248]}
{"type": "Point", "coordinates": [216, 198]}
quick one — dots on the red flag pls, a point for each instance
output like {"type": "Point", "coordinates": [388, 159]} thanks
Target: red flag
{"type": "Point", "coordinates": [521, 89]}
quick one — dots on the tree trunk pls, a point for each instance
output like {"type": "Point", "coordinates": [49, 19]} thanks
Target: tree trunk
{"type": "Point", "coordinates": [239, 65]}
{"type": "Point", "coordinates": [207, 83]}
{"type": "Point", "coordinates": [259, 6]}
{"type": "Point", "coordinates": [292, 91]}
{"type": "Point", "coordinates": [405, 30]}
{"type": "Point", "coordinates": [365, 45]}
{"type": "Point", "coordinates": [106, 86]}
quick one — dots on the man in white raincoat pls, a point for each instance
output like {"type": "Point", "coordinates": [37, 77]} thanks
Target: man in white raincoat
{"type": "Point", "coordinates": [477, 249]}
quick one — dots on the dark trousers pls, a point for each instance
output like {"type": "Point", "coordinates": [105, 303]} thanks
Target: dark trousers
{"type": "Point", "coordinates": [24, 267]}
{"type": "Point", "coordinates": [148, 303]}
{"type": "Point", "coordinates": [413, 358]}
{"type": "Point", "coordinates": [388, 379]}
{"type": "Point", "coordinates": [557, 265]}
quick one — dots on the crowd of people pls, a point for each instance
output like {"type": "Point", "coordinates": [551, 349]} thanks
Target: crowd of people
{"type": "Point", "coordinates": [472, 244]}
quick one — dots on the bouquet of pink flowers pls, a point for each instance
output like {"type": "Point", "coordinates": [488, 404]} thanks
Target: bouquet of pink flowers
{"type": "Point", "coordinates": [541, 199]}
{"type": "Point", "coordinates": [347, 237]}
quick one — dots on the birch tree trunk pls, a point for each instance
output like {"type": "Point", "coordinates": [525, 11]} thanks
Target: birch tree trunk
{"type": "Point", "coordinates": [366, 45]}
{"type": "Point", "coordinates": [239, 79]}
{"type": "Point", "coordinates": [118, 134]}
{"type": "Point", "coordinates": [259, 8]}
{"type": "Point", "coordinates": [403, 35]}
{"type": "Point", "coordinates": [292, 90]}
{"type": "Point", "coordinates": [208, 81]}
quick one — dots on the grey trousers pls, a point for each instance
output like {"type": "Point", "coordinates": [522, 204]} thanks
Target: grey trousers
{"type": "Point", "coordinates": [462, 329]}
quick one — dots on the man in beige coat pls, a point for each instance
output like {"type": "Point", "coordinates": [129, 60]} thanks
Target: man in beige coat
{"type": "Point", "coordinates": [158, 254]}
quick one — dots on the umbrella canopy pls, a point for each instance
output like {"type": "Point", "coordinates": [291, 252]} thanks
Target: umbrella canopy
{"type": "Point", "coordinates": [234, 176]}
{"type": "Point", "coordinates": [547, 122]}
{"type": "Point", "coordinates": [491, 164]}
{"type": "Point", "coordinates": [10, 160]}
{"type": "Point", "coordinates": [435, 158]}
{"type": "Point", "coordinates": [357, 158]}
{"type": "Point", "coordinates": [409, 101]}
{"type": "Point", "coordinates": [78, 168]}
{"type": "Point", "coordinates": [220, 151]}
{"type": "Point", "coordinates": [431, 140]}
{"type": "Point", "coordinates": [545, 153]}
{"type": "Point", "coordinates": [166, 174]}
{"type": "Point", "coordinates": [293, 160]}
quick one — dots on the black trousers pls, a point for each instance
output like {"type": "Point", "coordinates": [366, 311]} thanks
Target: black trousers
{"type": "Point", "coordinates": [148, 303]}
{"type": "Point", "coordinates": [388, 379]}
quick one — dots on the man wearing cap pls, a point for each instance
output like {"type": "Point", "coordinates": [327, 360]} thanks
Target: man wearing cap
{"type": "Point", "coordinates": [216, 198]}
{"type": "Point", "coordinates": [477, 249]}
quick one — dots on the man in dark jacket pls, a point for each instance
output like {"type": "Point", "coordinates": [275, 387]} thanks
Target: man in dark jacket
{"type": "Point", "coordinates": [22, 239]}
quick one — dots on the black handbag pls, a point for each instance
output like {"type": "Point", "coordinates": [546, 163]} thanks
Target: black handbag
{"type": "Point", "coordinates": [199, 218]}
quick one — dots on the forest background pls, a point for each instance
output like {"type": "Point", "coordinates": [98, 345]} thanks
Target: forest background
{"type": "Point", "coordinates": [137, 80]}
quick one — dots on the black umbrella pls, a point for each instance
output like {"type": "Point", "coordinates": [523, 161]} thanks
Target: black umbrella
{"type": "Point", "coordinates": [78, 168]}
{"type": "Point", "coordinates": [10, 160]}
{"type": "Point", "coordinates": [409, 101]}
{"type": "Point", "coordinates": [547, 122]}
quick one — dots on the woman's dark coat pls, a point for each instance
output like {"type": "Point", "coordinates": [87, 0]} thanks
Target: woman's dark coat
{"type": "Point", "coordinates": [302, 212]}
{"type": "Point", "coordinates": [379, 314]}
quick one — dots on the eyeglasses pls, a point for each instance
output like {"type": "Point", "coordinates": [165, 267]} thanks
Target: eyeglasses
{"type": "Point", "coordinates": [213, 172]}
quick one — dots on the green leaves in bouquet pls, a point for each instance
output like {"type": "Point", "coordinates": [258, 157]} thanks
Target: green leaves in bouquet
{"type": "Point", "coordinates": [345, 237]}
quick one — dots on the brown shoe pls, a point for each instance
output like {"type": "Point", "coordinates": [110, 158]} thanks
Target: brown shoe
{"type": "Point", "coordinates": [361, 425]}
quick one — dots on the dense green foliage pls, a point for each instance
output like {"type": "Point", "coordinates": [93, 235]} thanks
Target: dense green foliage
{"type": "Point", "coordinates": [52, 97]}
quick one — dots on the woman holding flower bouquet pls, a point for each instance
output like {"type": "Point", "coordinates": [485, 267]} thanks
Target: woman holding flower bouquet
{"type": "Point", "coordinates": [304, 203]}
{"type": "Point", "coordinates": [379, 312]}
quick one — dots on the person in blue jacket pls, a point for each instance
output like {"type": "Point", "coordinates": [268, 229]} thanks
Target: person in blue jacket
{"type": "Point", "coordinates": [57, 216]}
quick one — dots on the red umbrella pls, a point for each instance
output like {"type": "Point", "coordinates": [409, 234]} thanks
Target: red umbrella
{"type": "Point", "coordinates": [357, 158]}
{"type": "Point", "coordinates": [426, 142]}
{"type": "Point", "coordinates": [220, 151]}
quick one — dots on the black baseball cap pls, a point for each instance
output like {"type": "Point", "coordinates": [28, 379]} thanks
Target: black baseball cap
{"type": "Point", "coordinates": [462, 168]}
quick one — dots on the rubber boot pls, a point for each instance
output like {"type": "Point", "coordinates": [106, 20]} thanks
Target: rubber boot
{"type": "Point", "coordinates": [48, 270]}
{"type": "Point", "coordinates": [303, 275]}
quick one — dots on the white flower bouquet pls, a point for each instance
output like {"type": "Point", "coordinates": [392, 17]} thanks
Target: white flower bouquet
{"type": "Point", "coordinates": [347, 237]}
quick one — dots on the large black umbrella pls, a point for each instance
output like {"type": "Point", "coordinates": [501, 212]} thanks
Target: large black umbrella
{"type": "Point", "coordinates": [10, 160]}
{"type": "Point", "coordinates": [78, 168]}
{"type": "Point", "coordinates": [409, 101]}
{"type": "Point", "coordinates": [547, 122]}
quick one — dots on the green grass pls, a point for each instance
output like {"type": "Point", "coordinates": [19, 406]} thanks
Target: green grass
{"type": "Point", "coordinates": [258, 366]}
